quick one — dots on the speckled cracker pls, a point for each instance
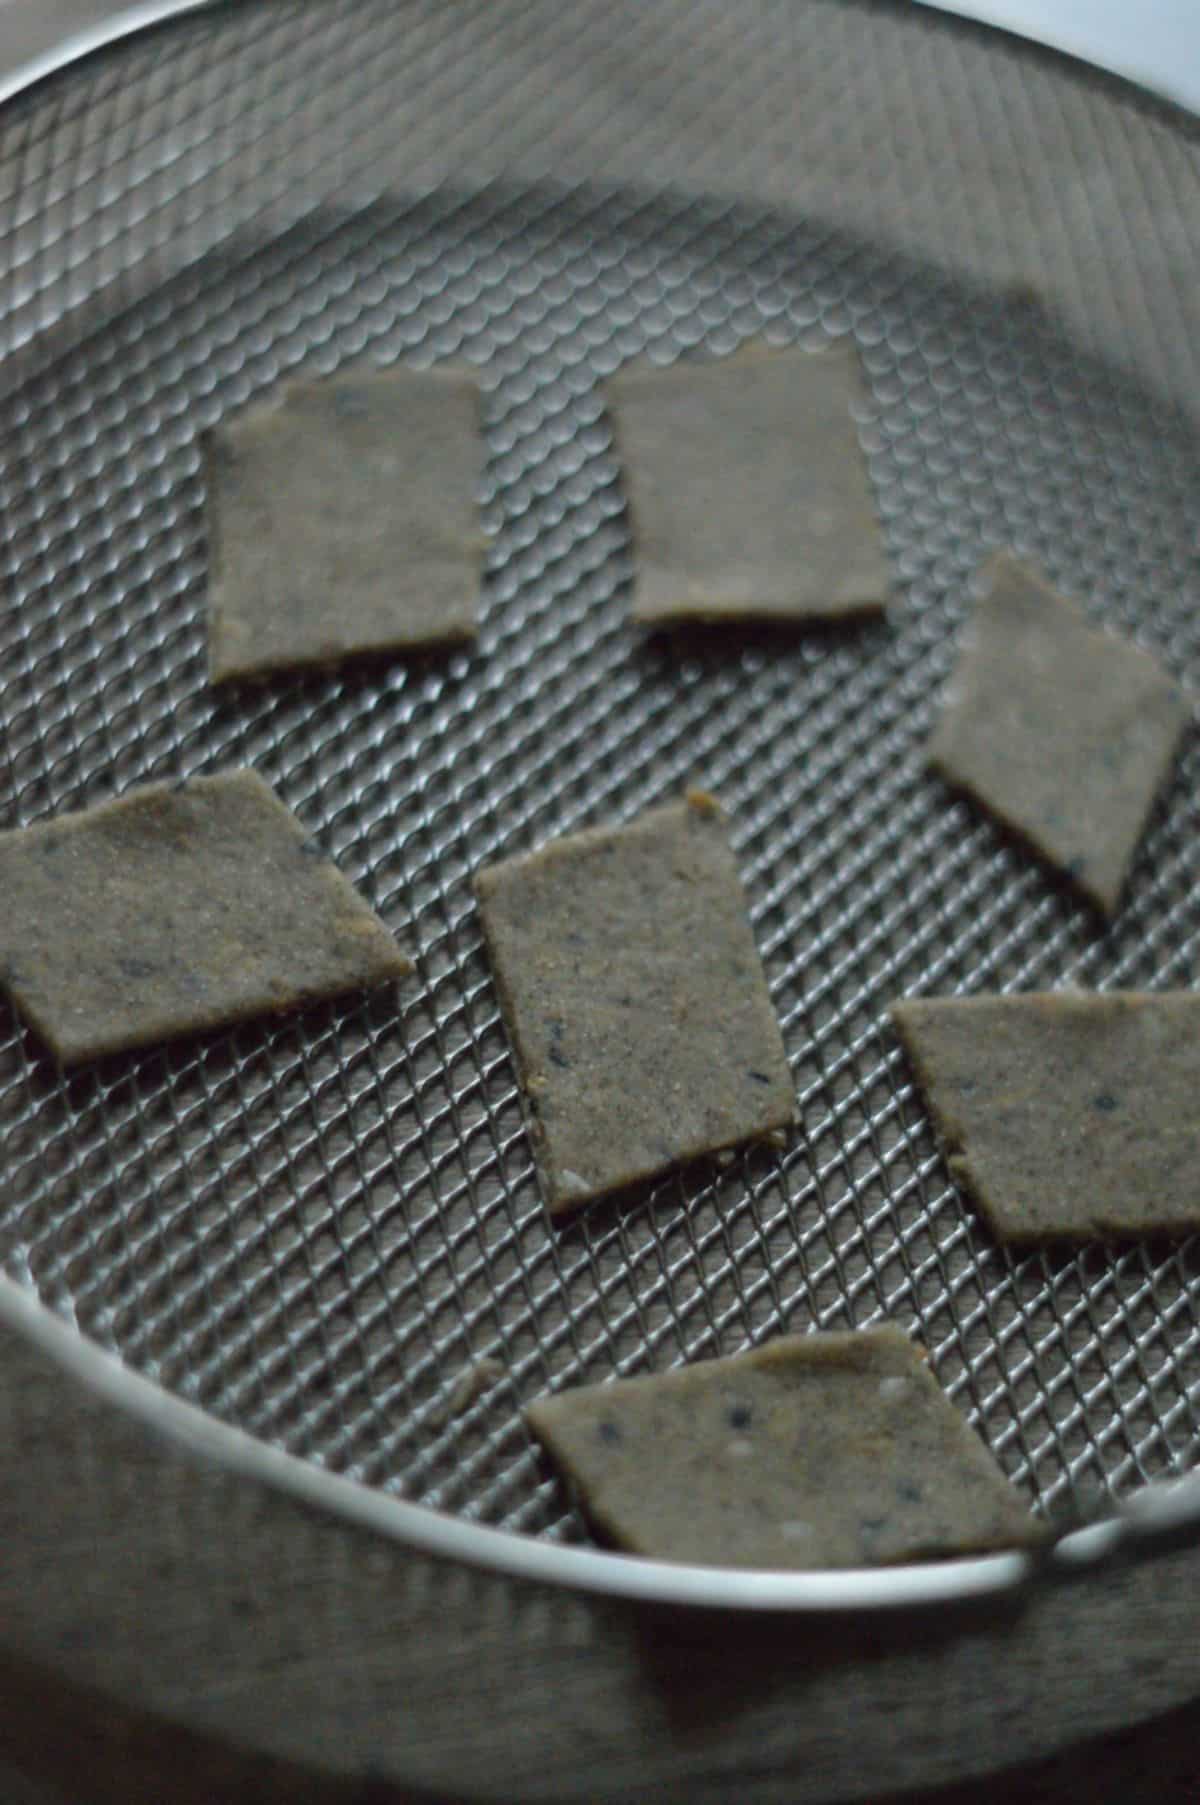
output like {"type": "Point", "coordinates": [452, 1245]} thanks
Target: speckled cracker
{"type": "Point", "coordinates": [836, 1450]}
{"type": "Point", "coordinates": [635, 1000]}
{"type": "Point", "coordinates": [174, 909]}
{"type": "Point", "coordinates": [1064, 733]}
{"type": "Point", "coordinates": [748, 491]}
{"type": "Point", "coordinates": [1065, 1115]}
{"type": "Point", "coordinates": [343, 522]}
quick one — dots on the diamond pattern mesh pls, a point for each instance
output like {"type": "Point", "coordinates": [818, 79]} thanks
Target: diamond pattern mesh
{"type": "Point", "coordinates": [312, 1226]}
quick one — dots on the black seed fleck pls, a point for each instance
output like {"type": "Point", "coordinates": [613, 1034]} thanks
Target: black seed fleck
{"type": "Point", "coordinates": [559, 1059]}
{"type": "Point", "coordinates": [908, 1491]}
{"type": "Point", "coordinates": [760, 1077]}
{"type": "Point", "coordinates": [608, 1432]}
{"type": "Point", "coordinates": [135, 968]}
{"type": "Point", "coordinates": [740, 1416]}
{"type": "Point", "coordinates": [1104, 1102]}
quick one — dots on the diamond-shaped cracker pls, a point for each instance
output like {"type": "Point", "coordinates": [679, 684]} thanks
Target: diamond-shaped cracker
{"type": "Point", "coordinates": [635, 1000]}
{"type": "Point", "coordinates": [748, 491]}
{"type": "Point", "coordinates": [835, 1450]}
{"type": "Point", "coordinates": [343, 522]}
{"type": "Point", "coordinates": [1066, 734]}
{"type": "Point", "coordinates": [174, 909]}
{"type": "Point", "coordinates": [1063, 1114]}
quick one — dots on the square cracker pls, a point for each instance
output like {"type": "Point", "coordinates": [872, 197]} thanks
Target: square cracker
{"type": "Point", "coordinates": [635, 1000]}
{"type": "Point", "coordinates": [343, 522]}
{"type": "Point", "coordinates": [174, 909]}
{"type": "Point", "coordinates": [748, 491]}
{"type": "Point", "coordinates": [831, 1450]}
{"type": "Point", "coordinates": [1064, 1115]}
{"type": "Point", "coordinates": [1065, 734]}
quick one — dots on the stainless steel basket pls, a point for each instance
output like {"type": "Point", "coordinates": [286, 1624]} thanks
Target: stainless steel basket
{"type": "Point", "coordinates": [285, 1243]}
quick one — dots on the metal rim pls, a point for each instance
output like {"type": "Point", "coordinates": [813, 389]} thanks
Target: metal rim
{"type": "Point", "coordinates": [1163, 1513]}
{"type": "Point", "coordinates": [1159, 1515]}
{"type": "Point", "coordinates": [501, 1550]}
{"type": "Point", "coordinates": [108, 25]}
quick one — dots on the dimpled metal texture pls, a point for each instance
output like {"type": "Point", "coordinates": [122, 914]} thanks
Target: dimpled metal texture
{"type": "Point", "coordinates": [314, 1227]}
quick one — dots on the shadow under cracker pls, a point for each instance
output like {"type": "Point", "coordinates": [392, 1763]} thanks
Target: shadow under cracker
{"type": "Point", "coordinates": [716, 643]}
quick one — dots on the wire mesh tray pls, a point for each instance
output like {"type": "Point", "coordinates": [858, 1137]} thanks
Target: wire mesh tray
{"type": "Point", "coordinates": [310, 1228]}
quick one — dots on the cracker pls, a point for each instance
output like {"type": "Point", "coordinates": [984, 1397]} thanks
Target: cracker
{"type": "Point", "coordinates": [635, 1000]}
{"type": "Point", "coordinates": [343, 522]}
{"type": "Point", "coordinates": [174, 909]}
{"type": "Point", "coordinates": [1065, 1115]}
{"type": "Point", "coordinates": [748, 491]}
{"type": "Point", "coordinates": [831, 1450]}
{"type": "Point", "coordinates": [1065, 734]}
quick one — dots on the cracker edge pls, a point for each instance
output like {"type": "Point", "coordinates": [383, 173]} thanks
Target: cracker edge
{"type": "Point", "coordinates": [68, 1056]}
{"type": "Point", "coordinates": [956, 1158]}
{"type": "Point", "coordinates": [642, 373]}
{"type": "Point", "coordinates": [263, 414]}
{"type": "Point", "coordinates": [835, 1349]}
{"type": "Point", "coordinates": [560, 1202]}
{"type": "Point", "coordinates": [1108, 900]}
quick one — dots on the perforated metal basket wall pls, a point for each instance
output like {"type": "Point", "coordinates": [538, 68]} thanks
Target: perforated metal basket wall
{"type": "Point", "coordinates": [313, 1227]}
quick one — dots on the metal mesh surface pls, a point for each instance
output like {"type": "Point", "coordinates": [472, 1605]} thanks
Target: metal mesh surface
{"type": "Point", "coordinates": [313, 1226]}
